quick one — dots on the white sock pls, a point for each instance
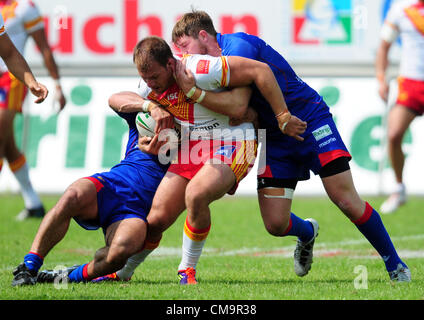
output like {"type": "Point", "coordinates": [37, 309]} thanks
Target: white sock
{"type": "Point", "coordinates": [135, 260]}
{"type": "Point", "coordinates": [193, 243]}
{"type": "Point", "coordinates": [31, 198]}
{"type": "Point", "coordinates": [400, 188]}
{"type": "Point", "coordinates": [132, 263]}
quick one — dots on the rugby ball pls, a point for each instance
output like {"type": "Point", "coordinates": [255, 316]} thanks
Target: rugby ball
{"type": "Point", "coordinates": [145, 124]}
{"type": "Point", "coordinates": [146, 128]}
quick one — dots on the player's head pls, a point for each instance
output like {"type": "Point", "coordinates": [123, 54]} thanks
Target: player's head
{"type": "Point", "coordinates": [193, 32]}
{"type": "Point", "coordinates": [155, 63]}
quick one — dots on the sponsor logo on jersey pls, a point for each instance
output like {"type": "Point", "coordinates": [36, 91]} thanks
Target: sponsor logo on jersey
{"type": "Point", "coordinates": [226, 151]}
{"type": "Point", "coordinates": [327, 142]}
{"type": "Point", "coordinates": [206, 127]}
{"type": "Point", "coordinates": [203, 67]}
{"type": "Point", "coordinates": [322, 132]}
{"type": "Point", "coordinates": [172, 96]}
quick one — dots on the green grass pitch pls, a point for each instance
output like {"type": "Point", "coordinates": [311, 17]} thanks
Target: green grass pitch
{"type": "Point", "coordinates": [241, 261]}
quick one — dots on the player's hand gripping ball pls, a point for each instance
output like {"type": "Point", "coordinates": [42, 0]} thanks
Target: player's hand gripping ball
{"type": "Point", "coordinates": [145, 124]}
{"type": "Point", "coordinates": [146, 128]}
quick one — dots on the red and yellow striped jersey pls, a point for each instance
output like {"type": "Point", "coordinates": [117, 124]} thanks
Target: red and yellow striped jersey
{"type": "Point", "coordinates": [213, 74]}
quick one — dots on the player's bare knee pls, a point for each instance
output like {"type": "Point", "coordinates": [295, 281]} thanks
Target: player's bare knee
{"type": "Point", "coordinates": [276, 227]}
{"type": "Point", "coordinates": [157, 223]}
{"type": "Point", "coordinates": [118, 255]}
{"type": "Point", "coordinates": [157, 213]}
{"type": "Point", "coordinates": [395, 137]}
{"type": "Point", "coordinates": [196, 198]}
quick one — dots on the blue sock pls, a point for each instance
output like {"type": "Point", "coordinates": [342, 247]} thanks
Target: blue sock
{"type": "Point", "coordinates": [372, 228]}
{"type": "Point", "coordinates": [79, 274]}
{"type": "Point", "coordinates": [301, 228]}
{"type": "Point", "coordinates": [33, 261]}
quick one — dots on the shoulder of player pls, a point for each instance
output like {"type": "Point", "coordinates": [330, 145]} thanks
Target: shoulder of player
{"type": "Point", "coordinates": [237, 36]}
{"type": "Point", "coordinates": [27, 10]}
{"type": "Point", "coordinates": [190, 58]}
{"type": "Point", "coordinates": [200, 63]}
{"type": "Point", "coordinates": [241, 44]}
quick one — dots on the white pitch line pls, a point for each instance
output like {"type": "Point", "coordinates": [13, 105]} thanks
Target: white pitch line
{"type": "Point", "coordinates": [288, 250]}
{"type": "Point", "coordinates": [331, 249]}
{"type": "Point", "coordinates": [278, 253]}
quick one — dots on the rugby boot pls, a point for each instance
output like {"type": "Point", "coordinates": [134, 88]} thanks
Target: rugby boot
{"type": "Point", "coordinates": [304, 252]}
{"type": "Point", "coordinates": [49, 276]}
{"type": "Point", "coordinates": [401, 274]}
{"type": "Point", "coordinates": [187, 276]}
{"type": "Point", "coordinates": [109, 277]}
{"type": "Point", "coordinates": [31, 213]}
{"type": "Point", "coordinates": [393, 202]}
{"type": "Point", "coordinates": [23, 276]}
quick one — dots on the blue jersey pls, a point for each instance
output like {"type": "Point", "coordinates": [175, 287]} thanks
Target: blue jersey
{"type": "Point", "coordinates": [302, 101]}
{"type": "Point", "coordinates": [127, 190]}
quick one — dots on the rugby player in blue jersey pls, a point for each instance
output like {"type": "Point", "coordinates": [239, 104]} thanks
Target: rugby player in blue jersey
{"type": "Point", "coordinates": [118, 201]}
{"type": "Point", "coordinates": [289, 160]}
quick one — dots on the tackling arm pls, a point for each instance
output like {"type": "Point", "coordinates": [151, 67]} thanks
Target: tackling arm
{"type": "Point", "coordinates": [128, 102]}
{"type": "Point", "coordinates": [232, 103]}
{"type": "Point", "coordinates": [244, 72]}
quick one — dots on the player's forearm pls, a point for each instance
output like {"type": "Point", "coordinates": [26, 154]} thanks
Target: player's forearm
{"type": "Point", "coordinates": [268, 86]}
{"type": "Point", "coordinates": [128, 102]}
{"type": "Point", "coordinates": [20, 69]}
{"type": "Point", "coordinates": [266, 83]}
{"type": "Point", "coordinates": [50, 64]}
{"type": "Point", "coordinates": [246, 71]}
{"type": "Point", "coordinates": [382, 61]}
{"type": "Point", "coordinates": [40, 40]}
{"type": "Point", "coordinates": [17, 65]}
{"type": "Point", "coordinates": [232, 103]}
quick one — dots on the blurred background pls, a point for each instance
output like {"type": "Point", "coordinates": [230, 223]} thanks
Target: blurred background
{"type": "Point", "coordinates": [331, 44]}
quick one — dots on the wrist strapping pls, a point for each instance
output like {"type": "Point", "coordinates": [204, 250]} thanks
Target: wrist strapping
{"type": "Point", "coordinates": [191, 92]}
{"type": "Point", "coordinates": [286, 114]}
{"type": "Point", "coordinates": [201, 97]}
{"type": "Point", "coordinates": [283, 126]}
